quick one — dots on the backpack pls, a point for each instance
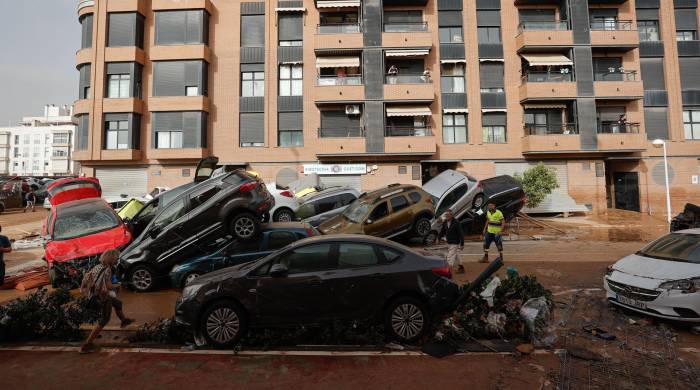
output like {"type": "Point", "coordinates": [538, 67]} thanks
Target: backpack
{"type": "Point", "coordinates": [89, 287]}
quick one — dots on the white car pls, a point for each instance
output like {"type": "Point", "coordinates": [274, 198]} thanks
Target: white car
{"type": "Point", "coordinates": [285, 203]}
{"type": "Point", "coordinates": [661, 280]}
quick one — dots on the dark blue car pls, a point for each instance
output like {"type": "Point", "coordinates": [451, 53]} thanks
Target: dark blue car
{"type": "Point", "coordinates": [227, 252]}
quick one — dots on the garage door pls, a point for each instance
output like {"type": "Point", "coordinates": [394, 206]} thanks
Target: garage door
{"type": "Point", "coordinates": [559, 200]}
{"type": "Point", "coordinates": [352, 181]}
{"type": "Point", "coordinates": [123, 181]}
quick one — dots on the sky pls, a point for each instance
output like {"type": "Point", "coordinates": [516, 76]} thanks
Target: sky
{"type": "Point", "coordinates": [38, 41]}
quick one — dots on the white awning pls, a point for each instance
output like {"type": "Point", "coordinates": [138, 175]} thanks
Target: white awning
{"type": "Point", "coordinates": [493, 110]}
{"type": "Point", "coordinates": [291, 62]}
{"type": "Point", "coordinates": [455, 111]}
{"type": "Point", "coordinates": [547, 59]}
{"type": "Point", "coordinates": [491, 60]}
{"type": "Point", "coordinates": [408, 111]}
{"type": "Point", "coordinates": [452, 61]}
{"type": "Point", "coordinates": [545, 105]}
{"type": "Point", "coordinates": [290, 9]}
{"type": "Point", "coordinates": [337, 62]}
{"type": "Point", "coordinates": [408, 53]}
{"type": "Point", "coordinates": [337, 3]}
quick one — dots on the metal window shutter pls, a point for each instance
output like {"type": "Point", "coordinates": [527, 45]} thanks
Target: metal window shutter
{"type": "Point", "coordinates": [85, 71]}
{"type": "Point", "coordinates": [119, 68]}
{"type": "Point", "coordinates": [169, 78]}
{"type": "Point", "coordinates": [170, 27]}
{"type": "Point", "coordinates": [450, 18]}
{"type": "Point", "coordinates": [656, 122]}
{"type": "Point", "coordinates": [135, 131]}
{"type": "Point", "coordinates": [123, 181]}
{"type": "Point", "coordinates": [191, 129]}
{"type": "Point", "coordinates": [290, 26]}
{"type": "Point", "coordinates": [337, 123]}
{"type": "Point", "coordinates": [488, 18]}
{"type": "Point", "coordinates": [493, 119]}
{"type": "Point", "coordinates": [86, 23]}
{"type": "Point", "coordinates": [536, 15]}
{"type": "Point", "coordinates": [648, 14]}
{"type": "Point", "coordinates": [686, 19]}
{"type": "Point", "coordinates": [253, 8]}
{"type": "Point", "coordinates": [83, 128]}
{"type": "Point", "coordinates": [491, 74]}
{"type": "Point", "coordinates": [290, 121]}
{"type": "Point", "coordinates": [253, 31]}
{"type": "Point", "coordinates": [352, 181]}
{"type": "Point", "coordinates": [652, 73]}
{"type": "Point", "coordinates": [194, 73]}
{"type": "Point", "coordinates": [690, 72]}
{"type": "Point", "coordinates": [122, 29]}
{"type": "Point", "coordinates": [167, 121]}
{"type": "Point", "coordinates": [195, 27]}
{"type": "Point", "coordinates": [116, 117]}
{"type": "Point", "coordinates": [252, 128]}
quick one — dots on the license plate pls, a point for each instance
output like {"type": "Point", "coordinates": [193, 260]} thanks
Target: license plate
{"type": "Point", "coordinates": [631, 302]}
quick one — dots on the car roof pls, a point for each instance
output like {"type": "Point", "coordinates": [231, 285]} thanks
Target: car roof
{"type": "Point", "coordinates": [328, 192]}
{"type": "Point", "coordinates": [284, 226]}
{"type": "Point", "coordinates": [349, 238]}
{"type": "Point", "coordinates": [688, 231]}
{"type": "Point", "coordinates": [441, 183]}
{"type": "Point", "coordinates": [376, 195]}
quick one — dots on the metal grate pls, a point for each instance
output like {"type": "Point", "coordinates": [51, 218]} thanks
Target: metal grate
{"type": "Point", "coordinates": [638, 293]}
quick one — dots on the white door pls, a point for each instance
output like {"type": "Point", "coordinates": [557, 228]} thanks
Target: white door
{"type": "Point", "coordinates": [123, 181]}
{"type": "Point", "coordinates": [352, 181]}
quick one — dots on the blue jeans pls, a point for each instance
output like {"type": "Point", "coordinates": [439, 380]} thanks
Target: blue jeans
{"type": "Point", "coordinates": [493, 237]}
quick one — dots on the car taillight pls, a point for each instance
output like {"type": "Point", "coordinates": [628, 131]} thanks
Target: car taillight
{"type": "Point", "coordinates": [287, 194]}
{"type": "Point", "coordinates": [443, 271]}
{"type": "Point", "coordinates": [310, 232]}
{"type": "Point", "coordinates": [247, 187]}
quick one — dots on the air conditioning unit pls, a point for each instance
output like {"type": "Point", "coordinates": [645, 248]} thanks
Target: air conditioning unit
{"type": "Point", "coordinates": [352, 109]}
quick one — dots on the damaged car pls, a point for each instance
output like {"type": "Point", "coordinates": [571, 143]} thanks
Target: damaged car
{"type": "Point", "coordinates": [321, 279]}
{"type": "Point", "coordinates": [661, 280]}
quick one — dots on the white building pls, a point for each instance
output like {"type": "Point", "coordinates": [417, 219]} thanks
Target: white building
{"type": "Point", "coordinates": [43, 145]}
{"type": "Point", "coordinates": [4, 152]}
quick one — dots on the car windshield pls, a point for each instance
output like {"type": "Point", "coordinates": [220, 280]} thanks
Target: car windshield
{"type": "Point", "coordinates": [674, 247]}
{"type": "Point", "coordinates": [357, 211]}
{"type": "Point", "coordinates": [82, 220]}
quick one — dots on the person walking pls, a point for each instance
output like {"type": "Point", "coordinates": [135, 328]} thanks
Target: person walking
{"type": "Point", "coordinates": [5, 247]}
{"type": "Point", "coordinates": [452, 231]}
{"type": "Point", "coordinates": [493, 228]}
{"type": "Point", "coordinates": [97, 285]}
{"type": "Point", "coordinates": [31, 200]}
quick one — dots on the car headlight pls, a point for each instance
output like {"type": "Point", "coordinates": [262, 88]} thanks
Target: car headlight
{"type": "Point", "coordinates": [609, 270]}
{"type": "Point", "coordinates": [684, 285]}
{"type": "Point", "coordinates": [190, 291]}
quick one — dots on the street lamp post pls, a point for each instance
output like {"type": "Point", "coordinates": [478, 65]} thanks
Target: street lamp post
{"type": "Point", "coordinates": [659, 143]}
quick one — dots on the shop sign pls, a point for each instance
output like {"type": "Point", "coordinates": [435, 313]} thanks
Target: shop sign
{"type": "Point", "coordinates": [335, 169]}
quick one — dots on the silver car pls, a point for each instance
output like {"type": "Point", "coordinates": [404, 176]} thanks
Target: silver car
{"type": "Point", "coordinates": [454, 190]}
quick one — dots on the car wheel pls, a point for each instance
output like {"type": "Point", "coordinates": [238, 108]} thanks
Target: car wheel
{"type": "Point", "coordinates": [223, 323]}
{"type": "Point", "coordinates": [189, 278]}
{"type": "Point", "coordinates": [284, 215]}
{"type": "Point", "coordinates": [406, 320]}
{"type": "Point", "coordinates": [478, 201]}
{"type": "Point", "coordinates": [245, 226]}
{"type": "Point", "coordinates": [421, 227]}
{"type": "Point", "coordinates": [431, 238]}
{"type": "Point", "coordinates": [142, 278]}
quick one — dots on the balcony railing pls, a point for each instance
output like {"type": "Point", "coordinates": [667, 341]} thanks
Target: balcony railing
{"type": "Point", "coordinates": [407, 131]}
{"type": "Point", "coordinates": [561, 129]}
{"type": "Point", "coordinates": [352, 79]}
{"type": "Point", "coordinates": [625, 75]}
{"type": "Point", "coordinates": [611, 25]}
{"type": "Point", "coordinates": [338, 28]}
{"type": "Point", "coordinates": [407, 79]}
{"type": "Point", "coordinates": [406, 27]}
{"type": "Point", "coordinates": [543, 26]}
{"type": "Point", "coordinates": [618, 128]}
{"type": "Point", "coordinates": [342, 132]}
{"type": "Point", "coordinates": [547, 77]}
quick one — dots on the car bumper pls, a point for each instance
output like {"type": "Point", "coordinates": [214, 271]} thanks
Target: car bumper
{"type": "Point", "coordinates": [671, 305]}
{"type": "Point", "coordinates": [443, 295]}
{"type": "Point", "coordinates": [185, 313]}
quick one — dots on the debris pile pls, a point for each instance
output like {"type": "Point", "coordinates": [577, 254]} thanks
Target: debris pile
{"type": "Point", "coordinates": [34, 274]}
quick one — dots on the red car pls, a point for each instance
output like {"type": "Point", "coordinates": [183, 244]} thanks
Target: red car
{"type": "Point", "coordinates": [79, 228]}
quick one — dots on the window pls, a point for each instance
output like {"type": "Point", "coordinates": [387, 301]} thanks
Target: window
{"type": "Point", "coordinates": [202, 195]}
{"type": "Point", "coordinates": [117, 135]}
{"type": "Point", "coordinates": [691, 124]}
{"type": "Point", "coordinates": [494, 134]}
{"type": "Point", "coordinates": [291, 138]}
{"type": "Point", "coordinates": [252, 84]}
{"type": "Point", "coordinates": [278, 240]}
{"type": "Point", "coordinates": [185, 129]}
{"type": "Point", "coordinates": [291, 79]}
{"type": "Point", "coordinates": [252, 30]}
{"type": "Point", "coordinates": [451, 34]}
{"type": "Point", "coordinates": [59, 153]}
{"type": "Point", "coordinates": [398, 21]}
{"type": "Point", "coordinates": [451, 198]}
{"type": "Point", "coordinates": [489, 34]}
{"type": "Point", "coordinates": [492, 90]}
{"type": "Point", "coordinates": [86, 31]}
{"type": "Point", "coordinates": [452, 78]}
{"type": "Point", "coordinates": [380, 211]}
{"type": "Point", "coordinates": [307, 259]}
{"type": "Point", "coordinates": [688, 35]}
{"type": "Point", "coordinates": [398, 203]}
{"type": "Point", "coordinates": [290, 29]}
{"type": "Point", "coordinates": [676, 247]}
{"type": "Point", "coordinates": [125, 29]}
{"type": "Point", "coordinates": [454, 128]}
{"type": "Point", "coordinates": [290, 125]}
{"type": "Point", "coordinates": [171, 213]}
{"type": "Point", "coordinates": [352, 255]}
{"type": "Point", "coordinates": [187, 27]}
{"type": "Point", "coordinates": [84, 81]}
{"type": "Point", "coordinates": [81, 132]}
{"type": "Point", "coordinates": [118, 86]}
{"type": "Point", "coordinates": [390, 255]}
{"type": "Point", "coordinates": [27, 139]}
{"type": "Point", "coordinates": [169, 139]}
{"type": "Point", "coordinates": [15, 152]}
{"type": "Point", "coordinates": [648, 30]}
{"type": "Point", "coordinates": [414, 196]}
{"type": "Point", "coordinates": [252, 129]}
{"type": "Point", "coordinates": [180, 78]}
{"type": "Point", "coordinates": [16, 139]}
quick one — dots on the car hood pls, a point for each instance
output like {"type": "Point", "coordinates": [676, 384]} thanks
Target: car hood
{"type": "Point", "coordinates": [657, 269]}
{"type": "Point", "coordinates": [233, 272]}
{"type": "Point", "coordinates": [339, 224]}
{"type": "Point", "coordinates": [89, 245]}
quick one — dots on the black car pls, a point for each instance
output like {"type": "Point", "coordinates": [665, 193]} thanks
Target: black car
{"type": "Point", "coordinates": [320, 279]}
{"type": "Point", "coordinates": [231, 203]}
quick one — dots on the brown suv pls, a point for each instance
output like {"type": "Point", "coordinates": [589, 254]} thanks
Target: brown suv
{"type": "Point", "coordinates": [387, 212]}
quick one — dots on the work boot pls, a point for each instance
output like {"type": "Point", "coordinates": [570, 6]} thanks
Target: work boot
{"type": "Point", "coordinates": [500, 254]}
{"type": "Point", "coordinates": [484, 259]}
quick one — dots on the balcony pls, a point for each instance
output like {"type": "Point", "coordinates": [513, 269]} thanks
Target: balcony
{"type": "Point", "coordinates": [560, 129]}
{"type": "Point", "coordinates": [335, 141]}
{"type": "Point", "coordinates": [625, 85]}
{"type": "Point", "coordinates": [83, 56]}
{"type": "Point", "coordinates": [177, 154]}
{"type": "Point", "coordinates": [614, 33]}
{"type": "Point", "coordinates": [541, 139]}
{"type": "Point", "coordinates": [620, 137]}
{"type": "Point", "coordinates": [408, 87]}
{"type": "Point", "coordinates": [349, 132]}
{"type": "Point", "coordinates": [539, 34]}
{"type": "Point", "coordinates": [335, 88]}
{"type": "Point", "coordinates": [338, 36]}
{"type": "Point", "coordinates": [122, 105]}
{"type": "Point", "coordinates": [618, 128]}
{"type": "Point", "coordinates": [409, 140]}
{"type": "Point", "coordinates": [407, 35]}
{"type": "Point", "coordinates": [85, 3]}
{"type": "Point", "coordinates": [547, 77]}
{"type": "Point", "coordinates": [547, 90]}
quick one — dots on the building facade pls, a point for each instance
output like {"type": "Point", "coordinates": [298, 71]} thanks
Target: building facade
{"type": "Point", "coordinates": [370, 92]}
{"type": "Point", "coordinates": [42, 145]}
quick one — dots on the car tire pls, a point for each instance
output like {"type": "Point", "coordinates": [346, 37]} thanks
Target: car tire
{"type": "Point", "coordinates": [431, 238]}
{"type": "Point", "coordinates": [245, 226]}
{"type": "Point", "coordinates": [478, 201]}
{"type": "Point", "coordinates": [142, 278]}
{"type": "Point", "coordinates": [406, 320]}
{"type": "Point", "coordinates": [189, 277]}
{"type": "Point", "coordinates": [223, 324]}
{"type": "Point", "coordinates": [421, 226]}
{"type": "Point", "coordinates": [284, 215]}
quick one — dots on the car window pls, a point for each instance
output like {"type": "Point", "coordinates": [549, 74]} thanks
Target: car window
{"type": "Point", "coordinates": [279, 240]}
{"type": "Point", "coordinates": [202, 195]}
{"type": "Point", "coordinates": [347, 198]}
{"type": "Point", "coordinates": [451, 198]}
{"type": "Point", "coordinates": [399, 203]}
{"type": "Point", "coordinates": [390, 255]}
{"type": "Point", "coordinates": [307, 259]}
{"type": "Point", "coordinates": [352, 255]}
{"type": "Point", "coordinates": [83, 220]}
{"type": "Point", "coordinates": [327, 204]}
{"type": "Point", "coordinates": [356, 211]}
{"type": "Point", "coordinates": [241, 247]}
{"type": "Point", "coordinates": [675, 247]}
{"type": "Point", "coordinates": [380, 211]}
{"type": "Point", "coordinates": [171, 213]}
{"type": "Point", "coordinates": [414, 196]}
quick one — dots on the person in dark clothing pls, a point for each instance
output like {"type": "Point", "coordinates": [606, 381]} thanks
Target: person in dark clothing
{"type": "Point", "coordinates": [5, 247]}
{"type": "Point", "coordinates": [452, 231]}
{"type": "Point", "coordinates": [31, 200]}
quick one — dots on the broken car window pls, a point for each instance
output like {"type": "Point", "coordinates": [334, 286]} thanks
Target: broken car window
{"type": "Point", "coordinates": [83, 220]}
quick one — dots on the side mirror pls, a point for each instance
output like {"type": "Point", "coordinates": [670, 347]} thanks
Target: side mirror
{"type": "Point", "coordinates": [369, 222]}
{"type": "Point", "coordinates": [153, 233]}
{"type": "Point", "coordinates": [279, 271]}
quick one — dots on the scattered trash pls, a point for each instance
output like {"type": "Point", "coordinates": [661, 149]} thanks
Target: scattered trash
{"type": "Point", "coordinates": [495, 322]}
{"type": "Point", "coordinates": [490, 289]}
{"type": "Point", "coordinates": [584, 354]}
{"type": "Point", "coordinates": [28, 243]}
{"type": "Point", "coordinates": [536, 313]}
{"type": "Point", "coordinates": [525, 349]}
{"type": "Point", "coordinates": [394, 346]}
{"type": "Point", "coordinates": [511, 271]}
{"type": "Point", "coordinates": [28, 276]}
{"type": "Point", "coordinates": [600, 333]}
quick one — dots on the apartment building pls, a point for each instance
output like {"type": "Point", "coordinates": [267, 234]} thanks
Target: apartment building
{"type": "Point", "coordinates": [370, 92]}
{"type": "Point", "coordinates": [5, 138]}
{"type": "Point", "coordinates": [40, 145]}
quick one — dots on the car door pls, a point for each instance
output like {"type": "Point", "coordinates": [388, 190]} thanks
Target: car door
{"type": "Point", "coordinates": [303, 295]}
{"type": "Point", "coordinates": [401, 214]}
{"type": "Point", "coordinates": [205, 168]}
{"type": "Point", "coordinates": [378, 221]}
{"type": "Point", "coordinates": [169, 243]}
{"type": "Point", "coordinates": [240, 252]}
{"type": "Point", "coordinates": [455, 200]}
{"type": "Point", "coordinates": [203, 216]}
